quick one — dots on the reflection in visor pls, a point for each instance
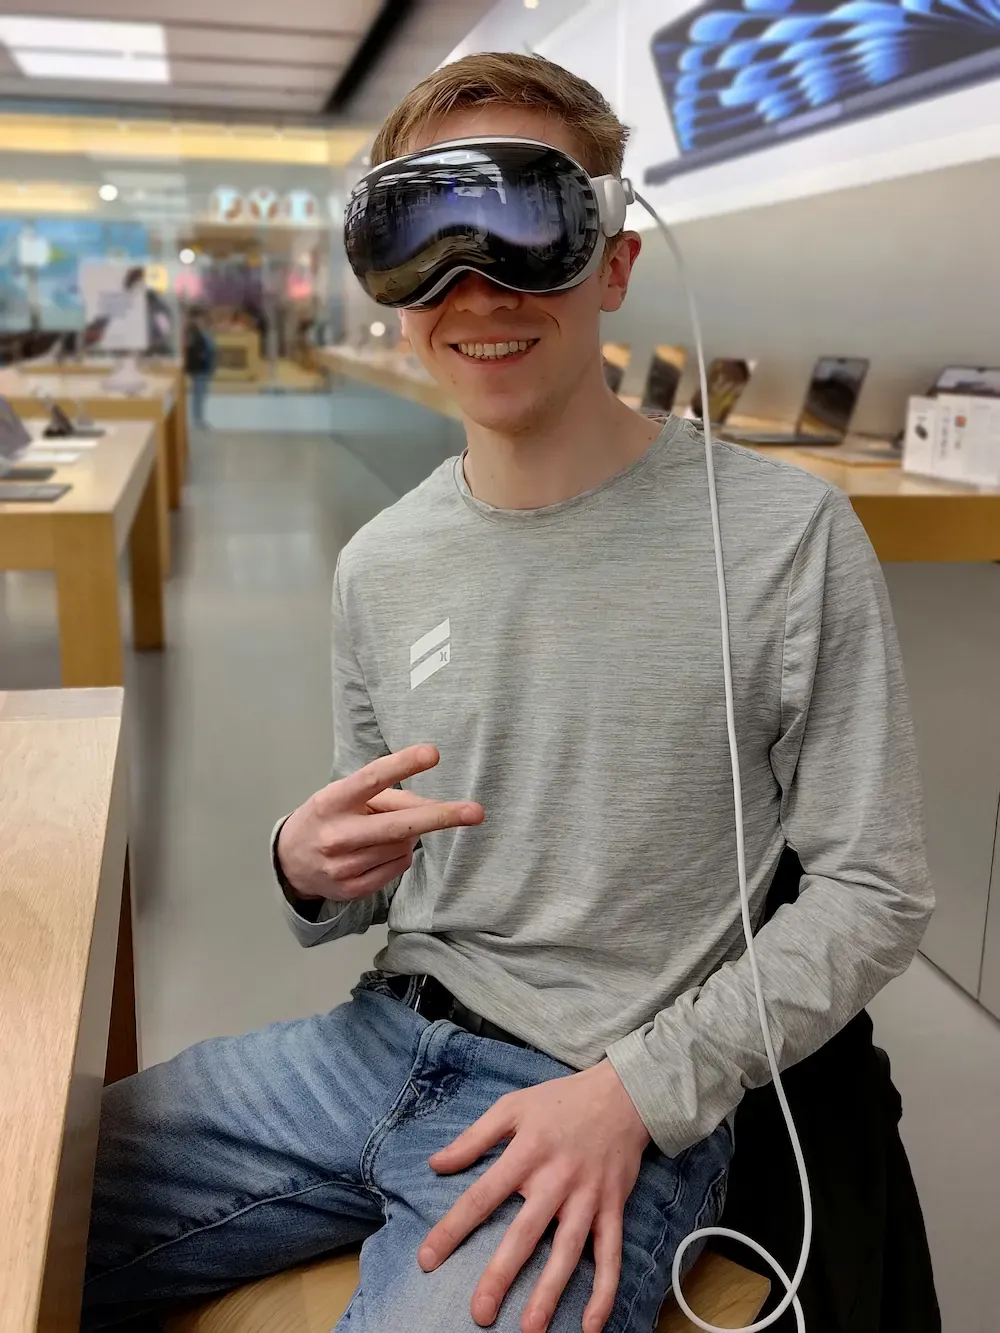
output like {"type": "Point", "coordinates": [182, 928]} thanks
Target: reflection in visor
{"type": "Point", "coordinates": [395, 284]}
{"type": "Point", "coordinates": [522, 213]}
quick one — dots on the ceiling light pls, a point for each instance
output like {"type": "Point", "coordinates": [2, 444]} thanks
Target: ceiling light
{"type": "Point", "coordinates": [108, 192]}
{"type": "Point", "coordinates": [531, 4]}
{"type": "Point", "coordinates": [377, 329]}
{"type": "Point", "coordinates": [49, 48]}
{"type": "Point", "coordinates": [187, 256]}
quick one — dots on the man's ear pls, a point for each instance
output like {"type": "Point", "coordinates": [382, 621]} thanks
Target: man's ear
{"type": "Point", "coordinates": [622, 254]}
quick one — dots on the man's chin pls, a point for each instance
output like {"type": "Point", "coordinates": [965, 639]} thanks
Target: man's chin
{"type": "Point", "coordinates": [501, 415]}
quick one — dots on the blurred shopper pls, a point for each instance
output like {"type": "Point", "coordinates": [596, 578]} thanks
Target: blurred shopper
{"type": "Point", "coordinates": [199, 363]}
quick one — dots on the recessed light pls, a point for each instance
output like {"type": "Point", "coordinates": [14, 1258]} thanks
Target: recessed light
{"type": "Point", "coordinates": [51, 48]}
{"type": "Point", "coordinates": [531, 4]}
{"type": "Point", "coordinates": [377, 329]}
{"type": "Point", "coordinates": [108, 192]}
{"type": "Point", "coordinates": [187, 255]}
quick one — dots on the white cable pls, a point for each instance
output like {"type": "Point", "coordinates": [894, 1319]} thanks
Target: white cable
{"type": "Point", "coordinates": [792, 1284]}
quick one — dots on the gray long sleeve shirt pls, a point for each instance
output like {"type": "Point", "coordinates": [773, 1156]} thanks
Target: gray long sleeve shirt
{"type": "Point", "coordinates": [566, 662]}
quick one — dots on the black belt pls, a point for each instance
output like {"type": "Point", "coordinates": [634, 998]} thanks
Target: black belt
{"type": "Point", "coordinates": [426, 996]}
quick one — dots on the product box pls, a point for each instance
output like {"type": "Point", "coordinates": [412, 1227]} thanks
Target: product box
{"type": "Point", "coordinates": [954, 437]}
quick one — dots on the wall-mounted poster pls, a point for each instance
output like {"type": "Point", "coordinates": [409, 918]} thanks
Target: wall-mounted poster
{"type": "Point", "coordinates": [65, 242]}
{"type": "Point", "coordinates": [734, 103]}
{"type": "Point", "coordinates": [740, 75]}
{"type": "Point", "coordinates": [114, 299]}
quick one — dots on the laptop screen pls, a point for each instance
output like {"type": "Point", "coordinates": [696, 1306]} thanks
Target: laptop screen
{"type": "Point", "coordinates": [665, 370]}
{"type": "Point", "coordinates": [979, 381]}
{"type": "Point", "coordinates": [739, 74]}
{"type": "Point", "coordinates": [832, 395]}
{"type": "Point", "coordinates": [615, 358]}
{"type": "Point", "coordinates": [727, 378]}
{"type": "Point", "coordinates": [14, 438]}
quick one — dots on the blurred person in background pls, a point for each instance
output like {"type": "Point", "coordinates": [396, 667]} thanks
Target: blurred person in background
{"type": "Point", "coordinates": [199, 362]}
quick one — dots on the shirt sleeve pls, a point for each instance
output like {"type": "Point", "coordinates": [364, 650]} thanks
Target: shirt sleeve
{"type": "Point", "coordinates": [846, 765]}
{"type": "Point", "coordinates": [357, 740]}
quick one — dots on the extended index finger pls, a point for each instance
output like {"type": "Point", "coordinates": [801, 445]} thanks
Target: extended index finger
{"type": "Point", "coordinates": [359, 788]}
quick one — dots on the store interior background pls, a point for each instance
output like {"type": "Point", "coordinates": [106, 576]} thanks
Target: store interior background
{"type": "Point", "coordinates": [231, 726]}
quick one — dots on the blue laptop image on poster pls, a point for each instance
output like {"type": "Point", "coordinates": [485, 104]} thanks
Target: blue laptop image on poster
{"type": "Point", "coordinates": [740, 75]}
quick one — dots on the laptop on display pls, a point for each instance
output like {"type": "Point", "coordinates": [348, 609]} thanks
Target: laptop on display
{"type": "Point", "coordinates": [727, 378]}
{"type": "Point", "coordinates": [826, 413]}
{"type": "Point", "coordinates": [977, 381]}
{"type": "Point", "coordinates": [664, 375]}
{"type": "Point", "coordinates": [615, 358]}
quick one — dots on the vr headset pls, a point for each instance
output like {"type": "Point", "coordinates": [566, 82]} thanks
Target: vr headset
{"type": "Point", "coordinates": [521, 213]}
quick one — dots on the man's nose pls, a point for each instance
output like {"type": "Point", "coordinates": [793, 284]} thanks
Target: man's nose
{"type": "Point", "coordinates": [479, 296]}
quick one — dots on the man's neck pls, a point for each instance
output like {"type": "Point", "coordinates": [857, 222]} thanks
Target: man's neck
{"type": "Point", "coordinates": [593, 439]}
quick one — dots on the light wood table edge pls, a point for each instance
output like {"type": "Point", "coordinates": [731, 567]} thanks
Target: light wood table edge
{"type": "Point", "coordinates": [42, 1288]}
{"type": "Point", "coordinates": [62, 1284]}
{"type": "Point", "coordinates": [82, 549]}
{"type": "Point", "coordinates": [109, 410]}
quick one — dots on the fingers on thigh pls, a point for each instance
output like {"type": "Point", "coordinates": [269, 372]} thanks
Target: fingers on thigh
{"type": "Point", "coordinates": [395, 1287]}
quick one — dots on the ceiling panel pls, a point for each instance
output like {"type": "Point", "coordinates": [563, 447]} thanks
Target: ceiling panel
{"type": "Point", "coordinates": [347, 16]}
{"type": "Point", "coordinates": [258, 57]}
{"type": "Point", "coordinates": [300, 101]}
{"type": "Point", "coordinates": [189, 74]}
{"type": "Point", "coordinates": [260, 45]}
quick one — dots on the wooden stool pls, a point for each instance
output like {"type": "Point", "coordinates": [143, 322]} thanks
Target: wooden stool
{"type": "Point", "coordinates": [312, 1298]}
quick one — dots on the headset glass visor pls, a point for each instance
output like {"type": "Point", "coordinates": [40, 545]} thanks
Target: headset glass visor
{"type": "Point", "coordinates": [521, 213]}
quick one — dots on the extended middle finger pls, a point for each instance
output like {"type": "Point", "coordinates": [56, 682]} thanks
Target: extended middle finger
{"type": "Point", "coordinates": [567, 1248]}
{"type": "Point", "coordinates": [370, 830]}
{"type": "Point", "coordinates": [518, 1245]}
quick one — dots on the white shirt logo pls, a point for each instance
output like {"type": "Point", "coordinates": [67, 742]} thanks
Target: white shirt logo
{"type": "Point", "coordinates": [434, 649]}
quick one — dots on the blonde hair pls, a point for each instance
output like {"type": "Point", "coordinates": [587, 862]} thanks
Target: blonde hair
{"type": "Point", "coordinates": [507, 78]}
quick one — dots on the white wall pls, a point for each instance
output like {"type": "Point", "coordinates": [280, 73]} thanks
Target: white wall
{"type": "Point", "coordinates": [905, 272]}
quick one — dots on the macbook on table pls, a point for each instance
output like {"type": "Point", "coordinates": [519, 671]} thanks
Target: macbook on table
{"type": "Point", "coordinates": [826, 413]}
{"type": "Point", "coordinates": [662, 378]}
{"type": "Point", "coordinates": [977, 381]}
{"type": "Point", "coordinates": [727, 378]}
{"type": "Point", "coordinates": [615, 358]}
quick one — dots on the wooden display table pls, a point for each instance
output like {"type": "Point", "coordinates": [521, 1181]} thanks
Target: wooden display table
{"type": "Point", "coordinates": [907, 518]}
{"type": "Point", "coordinates": [170, 366]}
{"type": "Point", "coordinates": [391, 371]}
{"type": "Point", "coordinates": [67, 995]}
{"type": "Point", "coordinates": [113, 499]}
{"type": "Point", "coordinates": [237, 355]}
{"type": "Point", "coordinates": [157, 403]}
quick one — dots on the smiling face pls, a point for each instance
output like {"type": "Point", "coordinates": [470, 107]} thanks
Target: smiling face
{"type": "Point", "coordinates": [513, 360]}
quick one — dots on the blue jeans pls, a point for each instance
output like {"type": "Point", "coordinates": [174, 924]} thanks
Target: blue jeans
{"type": "Point", "coordinates": [244, 1156]}
{"type": "Point", "coordinates": [200, 384]}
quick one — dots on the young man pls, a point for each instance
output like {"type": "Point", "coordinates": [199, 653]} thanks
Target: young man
{"type": "Point", "coordinates": [527, 1107]}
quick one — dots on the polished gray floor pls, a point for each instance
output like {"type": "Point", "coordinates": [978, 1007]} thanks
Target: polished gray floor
{"type": "Point", "coordinates": [230, 728]}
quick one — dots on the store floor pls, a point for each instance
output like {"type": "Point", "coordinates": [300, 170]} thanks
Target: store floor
{"type": "Point", "coordinates": [230, 729]}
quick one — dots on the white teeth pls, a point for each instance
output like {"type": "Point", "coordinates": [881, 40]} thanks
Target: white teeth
{"type": "Point", "coordinates": [494, 351]}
